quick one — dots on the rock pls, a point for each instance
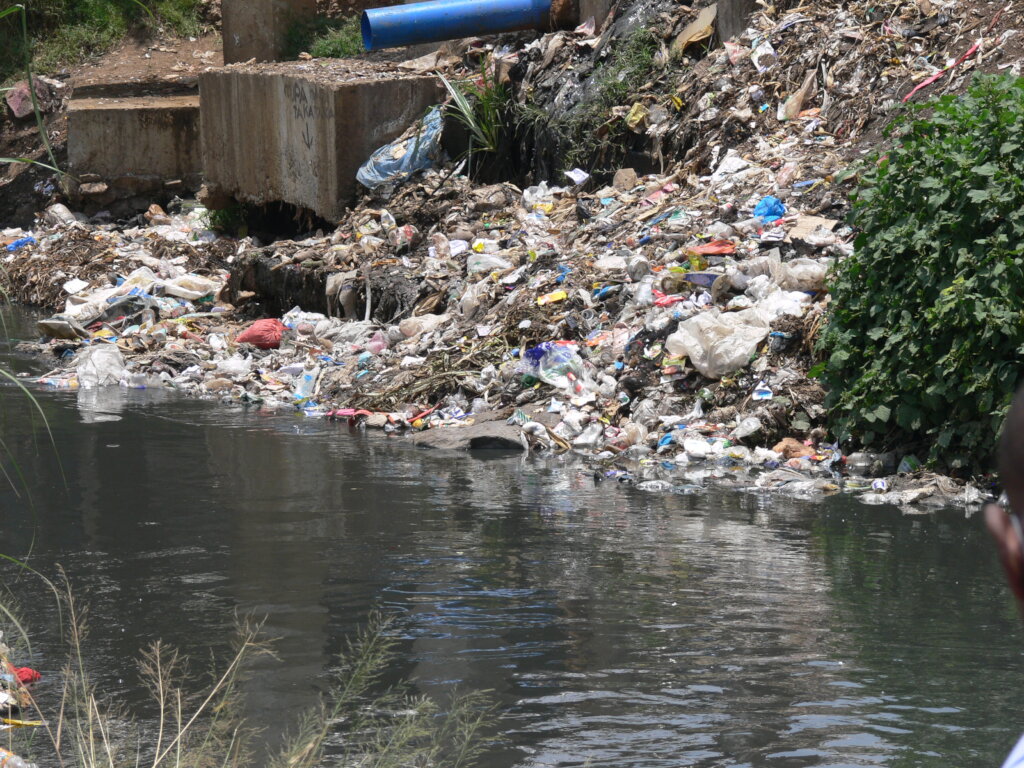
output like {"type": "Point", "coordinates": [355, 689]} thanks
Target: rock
{"type": "Point", "coordinates": [19, 99]}
{"type": "Point", "coordinates": [488, 435]}
{"type": "Point", "coordinates": [791, 448]}
{"type": "Point", "coordinates": [93, 189]}
{"type": "Point", "coordinates": [156, 215]}
{"type": "Point", "coordinates": [625, 179]}
{"type": "Point", "coordinates": [213, 198]}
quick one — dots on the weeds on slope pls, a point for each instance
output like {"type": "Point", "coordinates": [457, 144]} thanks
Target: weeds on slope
{"type": "Point", "coordinates": [63, 31]}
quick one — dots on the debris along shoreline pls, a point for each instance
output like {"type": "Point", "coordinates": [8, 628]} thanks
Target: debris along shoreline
{"type": "Point", "coordinates": [667, 360]}
{"type": "Point", "coordinates": [662, 324]}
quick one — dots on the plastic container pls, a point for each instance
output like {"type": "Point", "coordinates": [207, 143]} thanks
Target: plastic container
{"type": "Point", "coordinates": [10, 760]}
{"type": "Point", "coordinates": [643, 296]}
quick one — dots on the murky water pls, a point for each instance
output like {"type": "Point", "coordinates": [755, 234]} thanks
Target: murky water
{"type": "Point", "coordinates": [616, 628]}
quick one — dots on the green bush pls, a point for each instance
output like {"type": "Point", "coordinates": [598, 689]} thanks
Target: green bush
{"type": "Point", "coordinates": [925, 338]}
{"type": "Point", "coordinates": [325, 38]}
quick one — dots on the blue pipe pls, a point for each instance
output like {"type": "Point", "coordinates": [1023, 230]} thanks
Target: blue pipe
{"type": "Point", "coordinates": [439, 20]}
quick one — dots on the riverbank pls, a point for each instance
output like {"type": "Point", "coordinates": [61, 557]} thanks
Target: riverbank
{"type": "Point", "coordinates": [669, 360]}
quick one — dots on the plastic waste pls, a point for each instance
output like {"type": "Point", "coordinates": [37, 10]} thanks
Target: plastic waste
{"type": "Point", "coordinates": [100, 366]}
{"type": "Point", "coordinates": [377, 343]}
{"type": "Point", "coordinates": [263, 334]}
{"type": "Point", "coordinates": [235, 367]}
{"type": "Point", "coordinates": [10, 760]}
{"type": "Point", "coordinates": [486, 262]}
{"type": "Point", "coordinates": [538, 198]}
{"type": "Point", "coordinates": [305, 387]}
{"type": "Point", "coordinates": [413, 326]}
{"type": "Point", "coordinates": [404, 238]}
{"type": "Point", "coordinates": [441, 245]}
{"type": "Point", "coordinates": [719, 343]}
{"type": "Point", "coordinates": [560, 367]}
{"type": "Point", "coordinates": [746, 428]}
{"type": "Point", "coordinates": [799, 274]}
{"type": "Point", "coordinates": [400, 159]}
{"type": "Point", "coordinates": [644, 294]}
{"type": "Point", "coordinates": [770, 209]}
{"type": "Point", "coordinates": [590, 437]}
{"type": "Point", "coordinates": [20, 243]}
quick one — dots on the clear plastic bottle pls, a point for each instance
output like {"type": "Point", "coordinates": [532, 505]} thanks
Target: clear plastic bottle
{"type": "Point", "coordinates": [11, 760]}
{"type": "Point", "coordinates": [644, 294]}
{"type": "Point", "coordinates": [591, 437]}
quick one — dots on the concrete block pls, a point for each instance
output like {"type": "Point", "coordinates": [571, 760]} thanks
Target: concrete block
{"type": "Point", "coordinates": [297, 132]}
{"type": "Point", "coordinates": [135, 138]}
{"type": "Point", "coordinates": [257, 29]}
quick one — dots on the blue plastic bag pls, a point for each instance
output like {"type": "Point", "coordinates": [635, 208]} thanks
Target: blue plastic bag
{"type": "Point", "coordinates": [398, 160]}
{"type": "Point", "coordinates": [770, 209]}
{"type": "Point", "coordinates": [18, 244]}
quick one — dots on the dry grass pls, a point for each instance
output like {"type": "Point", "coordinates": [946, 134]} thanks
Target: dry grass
{"type": "Point", "coordinates": [206, 729]}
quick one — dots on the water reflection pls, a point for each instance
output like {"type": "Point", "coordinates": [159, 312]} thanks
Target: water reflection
{"type": "Point", "coordinates": [614, 627]}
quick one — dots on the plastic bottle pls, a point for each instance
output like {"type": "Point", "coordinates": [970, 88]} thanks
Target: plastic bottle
{"type": "Point", "coordinates": [644, 295]}
{"type": "Point", "coordinates": [307, 383]}
{"type": "Point", "coordinates": [11, 760]}
{"type": "Point", "coordinates": [590, 437]}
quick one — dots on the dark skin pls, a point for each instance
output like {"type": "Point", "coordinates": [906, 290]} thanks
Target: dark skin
{"type": "Point", "coordinates": [1006, 529]}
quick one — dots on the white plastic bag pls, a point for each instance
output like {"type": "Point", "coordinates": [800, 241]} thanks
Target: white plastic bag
{"type": "Point", "coordinates": [719, 343]}
{"type": "Point", "coordinates": [799, 274]}
{"type": "Point", "coordinates": [100, 366]}
{"type": "Point", "coordinates": [235, 367]}
{"type": "Point", "coordinates": [486, 262]}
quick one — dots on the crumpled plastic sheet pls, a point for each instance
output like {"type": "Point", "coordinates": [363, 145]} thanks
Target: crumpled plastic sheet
{"type": "Point", "coordinates": [400, 159]}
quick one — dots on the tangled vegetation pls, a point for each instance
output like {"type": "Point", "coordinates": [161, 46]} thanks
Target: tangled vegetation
{"type": "Point", "coordinates": [925, 342]}
{"type": "Point", "coordinates": [63, 31]}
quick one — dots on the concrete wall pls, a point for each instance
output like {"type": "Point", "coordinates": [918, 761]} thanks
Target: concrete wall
{"type": "Point", "coordinates": [276, 134]}
{"type": "Point", "coordinates": [257, 29]}
{"type": "Point", "coordinates": [150, 136]}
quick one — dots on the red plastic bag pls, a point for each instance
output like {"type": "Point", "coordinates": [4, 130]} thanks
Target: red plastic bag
{"type": "Point", "coordinates": [27, 675]}
{"type": "Point", "coordinates": [265, 334]}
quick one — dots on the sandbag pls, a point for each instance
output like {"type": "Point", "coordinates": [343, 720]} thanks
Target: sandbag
{"type": "Point", "coordinates": [263, 334]}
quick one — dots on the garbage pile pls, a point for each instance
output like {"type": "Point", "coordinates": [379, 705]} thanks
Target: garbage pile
{"type": "Point", "coordinates": [799, 86]}
{"type": "Point", "coordinates": [633, 325]}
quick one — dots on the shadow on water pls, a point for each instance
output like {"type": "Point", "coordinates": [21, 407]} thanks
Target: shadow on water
{"type": "Point", "coordinates": [614, 627]}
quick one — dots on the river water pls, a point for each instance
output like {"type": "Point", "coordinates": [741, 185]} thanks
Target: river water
{"type": "Point", "coordinates": [614, 627]}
